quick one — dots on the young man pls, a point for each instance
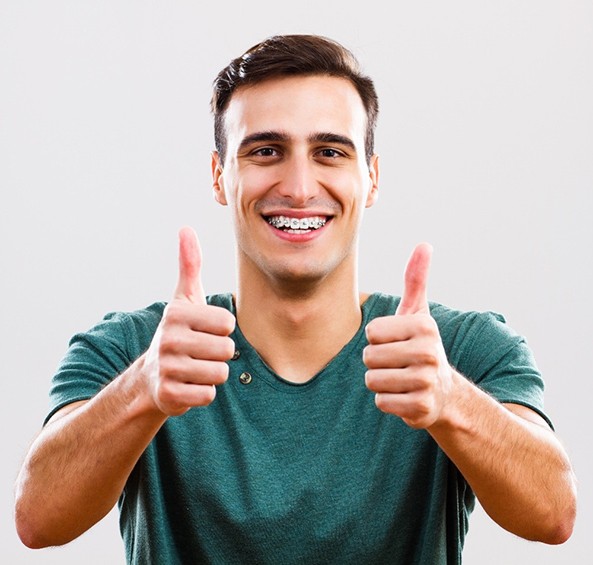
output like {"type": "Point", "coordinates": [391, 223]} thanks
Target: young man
{"type": "Point", "coordinates": [297, 420]}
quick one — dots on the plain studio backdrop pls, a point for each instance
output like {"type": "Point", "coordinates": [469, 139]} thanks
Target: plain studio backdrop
{"type": "Point", "coordinates": [486, 144]}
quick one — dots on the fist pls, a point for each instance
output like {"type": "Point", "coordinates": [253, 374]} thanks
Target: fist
{"type": "Point", "coordinates": [188, 354]}
{"type": "Point", "coordinates": [407, 365]}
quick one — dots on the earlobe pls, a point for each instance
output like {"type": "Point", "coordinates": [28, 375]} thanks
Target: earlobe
{"type": "Point", "coordinates": [373, 181]}
{"type": "Point", "coordinates": [217, 179]}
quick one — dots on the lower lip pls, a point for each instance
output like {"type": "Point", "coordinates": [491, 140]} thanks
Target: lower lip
{"type": "Point", "coordinates": [304, 237]}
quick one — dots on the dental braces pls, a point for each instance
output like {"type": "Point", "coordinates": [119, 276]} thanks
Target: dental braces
{"type": "Point", "coordinates": [296, 223]}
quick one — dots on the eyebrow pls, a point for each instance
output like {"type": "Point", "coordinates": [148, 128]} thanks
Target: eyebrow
{"type": "Point", "coordinates": [281, 136]}
{"type": "Point", "coordinates": [263, 136]}
{"type": "Point", "coordinates": [333, 138]}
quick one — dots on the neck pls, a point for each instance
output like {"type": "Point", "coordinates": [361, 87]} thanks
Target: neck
{"type": "Point", "coordinates": [297, 329]}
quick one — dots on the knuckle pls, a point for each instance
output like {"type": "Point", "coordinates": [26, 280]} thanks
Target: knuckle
{"type": "Point", "coordinates": [165, 393]}
{"type": "Point", "coordinates": [426, 324]}
{"type": "Point", "coordinates": [428, 357]}
{"type": "Point", "coordinates": [167, 373]}
{"type": "Point", "coordinates": [370, 380]}
{"type": "Point", "coordinates": [381, 402]}
{"type": "Point", "coordinates": [378, 356]}
{"type": "Point", "coordinates": [367, 356]}
{"type": "Point", "coordinates": [220, 319]}
{"type": "Point", "coordinates": [173, 313]}
{"type": "Point", "coordinates": [219, 373]}
{"type": "Point", "coordinates": [370, 331]}
{"type": "Point", "coordinates": [423, 407]}
{"type": "Point", "coordinates": [169, 343]}
{"type": "Point", "coordinates": [208, 394]}
{"type": "Point", "coordinates": [228, 348]}
{"type": "Point", "coordinates": [425, 380]}
{"type": "Point", "coordinates": [415, 423]}
{"type": "Point", "coordinates": [229, 321]}
{"type": "Point", "coordinates": [376, 329]}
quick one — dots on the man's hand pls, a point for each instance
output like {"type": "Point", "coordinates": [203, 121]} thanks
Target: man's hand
{"type": "Point", "coordinates": [188, 354]}
{"type": "Point", "coordinates": [408, 367]}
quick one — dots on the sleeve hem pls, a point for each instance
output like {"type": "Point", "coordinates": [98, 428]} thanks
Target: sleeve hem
{"type": "Point", "coordinates": [62, 404]}
{"type": "Point", "coordinates": [531, 407]}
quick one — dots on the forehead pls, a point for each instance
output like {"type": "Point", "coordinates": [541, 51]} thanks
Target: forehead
{"type": "Point", "coordinates": [298, 106]}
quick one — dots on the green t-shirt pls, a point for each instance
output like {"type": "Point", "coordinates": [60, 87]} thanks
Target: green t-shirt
{"type": "Point", "coordinates": [274, 472]}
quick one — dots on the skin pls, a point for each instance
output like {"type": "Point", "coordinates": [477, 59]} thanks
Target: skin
{"type": "Point", "coordinates": [513, 461]}
{"type": "Point", "coordinates": [295, 148]}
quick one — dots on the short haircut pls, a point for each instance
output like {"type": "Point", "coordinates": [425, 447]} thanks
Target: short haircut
{"type": "Point", "coordinates": [292, 55]}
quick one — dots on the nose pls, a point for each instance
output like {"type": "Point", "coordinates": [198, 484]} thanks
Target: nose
{"type": "Point", "coordinates": [298, 182]}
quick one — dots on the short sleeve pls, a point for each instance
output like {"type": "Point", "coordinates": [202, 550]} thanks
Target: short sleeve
{"type": "Point", "coordinates": [95, 357]}
{"type": "Point", "coordinates": [482, 347]}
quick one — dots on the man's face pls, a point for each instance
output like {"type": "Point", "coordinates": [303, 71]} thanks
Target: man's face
{"type": "Point", "coordinates": [295, 176]}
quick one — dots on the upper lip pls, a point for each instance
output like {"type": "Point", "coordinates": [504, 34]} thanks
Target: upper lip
{"type": "Point", "coordinates": [293, 213]}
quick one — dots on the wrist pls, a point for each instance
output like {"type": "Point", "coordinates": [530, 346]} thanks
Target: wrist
{"type": "Point", "coordinates": [453, 415]}
{"type": "Point", "coordinates": [135, 392]}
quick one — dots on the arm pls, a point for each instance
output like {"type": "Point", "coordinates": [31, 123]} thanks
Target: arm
{"type": "Point", "coordinates": [77, 467]}
{"type": "Point", "coordinates": [512, 460]}
{"type": "Point", "coordinates": [510, 457]}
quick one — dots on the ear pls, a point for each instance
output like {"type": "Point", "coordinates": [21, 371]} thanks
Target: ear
{"type": "Point", "coordinates": [373, 181]}
{"type": "Point", "coordinates": [217, 179]}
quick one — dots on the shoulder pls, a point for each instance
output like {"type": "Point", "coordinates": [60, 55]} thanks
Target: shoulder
{"type": "Point", "coordinates": [123, 325]}
{"type": "Point", "coordinates": [455, 324]}
{"type": "Point", "coordinates": [462, 331]}
{"type": "Point", "coordinates": [381, 304]}
{"type": "Point", "coordinates": [142, 323]}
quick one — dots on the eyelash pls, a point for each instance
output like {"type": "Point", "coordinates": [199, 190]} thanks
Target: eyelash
{"type": "Point", "coordinates": [259, 152]}
{"type": "Point", "coordinates": [335, 152]}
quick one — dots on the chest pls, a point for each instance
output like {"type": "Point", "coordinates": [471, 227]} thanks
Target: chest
{"type": "Point", "coordinates": [298, 472]}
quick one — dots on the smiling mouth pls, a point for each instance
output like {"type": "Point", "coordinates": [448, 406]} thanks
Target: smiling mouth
{"type": "Point", "coordinates": [296, 225]}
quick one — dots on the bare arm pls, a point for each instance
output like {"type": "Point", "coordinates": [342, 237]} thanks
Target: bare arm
{"type": "Point", "coordinates": [77, 467]}
{"type": "Point", "coordinates": [510, 457]}
{"type": "Point", "coordinates": [512, 460]}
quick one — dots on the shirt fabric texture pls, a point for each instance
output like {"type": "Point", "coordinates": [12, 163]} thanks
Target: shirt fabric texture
{"type": "Point", "coordinates": [274, 472]}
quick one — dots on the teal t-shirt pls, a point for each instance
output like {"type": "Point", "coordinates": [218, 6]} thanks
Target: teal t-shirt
{"type": "Point", "coordinates": [274, 472]}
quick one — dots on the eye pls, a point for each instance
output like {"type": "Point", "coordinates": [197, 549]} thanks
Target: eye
{"type": "Point", "coordinates": [265, 152]}
{"type": "Point", "coordinates": [329, 153]}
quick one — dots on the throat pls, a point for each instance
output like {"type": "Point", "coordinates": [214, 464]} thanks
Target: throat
{"type": "Point", "coordinates": [296, 373]}
{"type": "Point", "coordinates": [297, 341]}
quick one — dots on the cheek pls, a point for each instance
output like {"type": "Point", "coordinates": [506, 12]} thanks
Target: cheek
{"type": "Point", "coordinates": [253, 184]}
{"type": "Point", "coordinates": [242, 200]}
{"type": "Point", "coordinates": [352, 193]}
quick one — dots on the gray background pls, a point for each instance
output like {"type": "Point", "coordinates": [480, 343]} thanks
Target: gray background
{"type": "Point", "coordinates": [486, 141]}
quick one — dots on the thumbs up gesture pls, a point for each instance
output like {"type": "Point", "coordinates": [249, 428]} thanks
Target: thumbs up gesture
{"type": "Point", "coordinates": [407, 365]}
{"type": "Point", "coordinates": [188, 354]}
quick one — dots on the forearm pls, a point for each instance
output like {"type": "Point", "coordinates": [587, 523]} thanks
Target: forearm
{"type": "Point", "coordinates": [518, 469]}
{"type": "Point", "coordinates": [78, 465]}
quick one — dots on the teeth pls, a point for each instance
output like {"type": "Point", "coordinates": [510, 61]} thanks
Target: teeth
{"type": "Point", "coordinates": [312, 223]}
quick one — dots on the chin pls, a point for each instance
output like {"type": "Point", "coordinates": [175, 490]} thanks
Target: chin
{"type": "Point", "coordinates": [296, 275]}
{"type": "Point", "coordinates": [296, 271]}
{"type": "Point", "coordinates": [305, 279]}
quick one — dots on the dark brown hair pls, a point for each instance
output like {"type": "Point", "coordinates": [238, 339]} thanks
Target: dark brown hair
{"type": "Point", "coordinates": [292, 55]}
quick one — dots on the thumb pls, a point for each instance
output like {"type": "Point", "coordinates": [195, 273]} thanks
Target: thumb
{"type": "Point", "coordinates": [189, 284]}
{"type": "Point", "coordinates": [414, 299]}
